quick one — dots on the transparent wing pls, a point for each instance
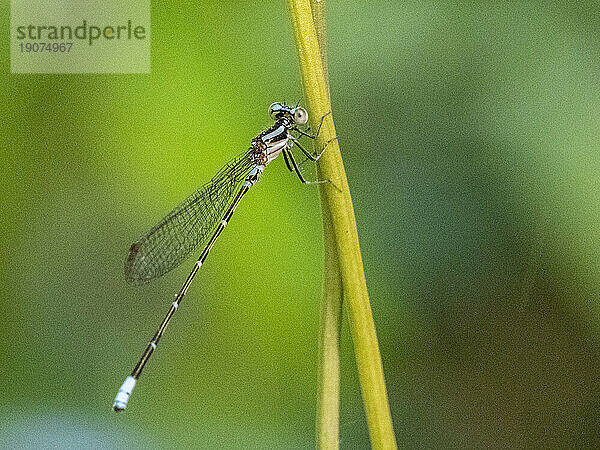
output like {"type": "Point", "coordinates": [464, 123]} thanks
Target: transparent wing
{"type": "Point", "coordinates": [166, 245]}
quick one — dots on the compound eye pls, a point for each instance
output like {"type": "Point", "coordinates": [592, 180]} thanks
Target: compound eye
{"type": "Point", "coordinates": [300, 116]}
{"type": "Point", "coordinates": [275, 108]}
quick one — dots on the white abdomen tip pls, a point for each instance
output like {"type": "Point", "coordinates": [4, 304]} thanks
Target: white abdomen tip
{"type": "Point", "coordinates": [123, 395]}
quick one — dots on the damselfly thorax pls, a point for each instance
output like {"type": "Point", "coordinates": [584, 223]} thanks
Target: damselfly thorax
{"type": "Point", "coordinates": [269, 144]}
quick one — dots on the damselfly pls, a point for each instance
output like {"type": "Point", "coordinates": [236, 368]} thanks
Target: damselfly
{"type": "Point", "coordinates": [202, 217]}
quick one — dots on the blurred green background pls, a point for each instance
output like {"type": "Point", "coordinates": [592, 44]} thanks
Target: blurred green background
{"type": "Point", "coordinates": [470, 137]}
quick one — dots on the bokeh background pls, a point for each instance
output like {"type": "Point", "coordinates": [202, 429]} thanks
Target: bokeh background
{"type": "Point", "coordinates": [470, 135]}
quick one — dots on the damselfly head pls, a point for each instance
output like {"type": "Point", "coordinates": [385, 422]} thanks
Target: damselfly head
{"type": "Point", "coordinates": [296, 113]}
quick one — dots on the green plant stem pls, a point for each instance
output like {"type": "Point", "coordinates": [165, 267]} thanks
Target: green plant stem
{"type": "Point", "coordinates": [318, 12]}
{"type": "Point", "coordinates": [328, 391]}
{"type": "Point", "coordinates": [340, 231]}
{"type": "Point", "coordinates": [328, 400]}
